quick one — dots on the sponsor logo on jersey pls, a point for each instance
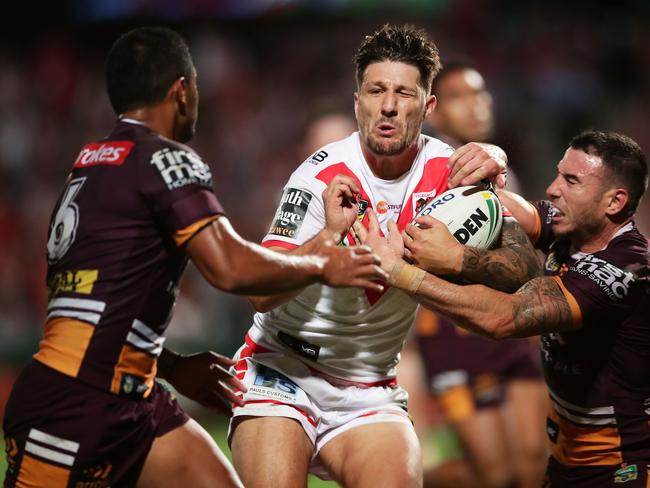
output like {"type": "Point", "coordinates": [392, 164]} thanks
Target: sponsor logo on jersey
{"type": "Point", "coordinates": [382, 207]}
{"type": "Point", "coordinates": [612, 280]}
{"type": "Point", "coordinates": [318, 157]}
{"type": "Point", "coordinates": [627, 472]}
{"type": "Point", "coordinates": [271, 383]}
{"type": "Point", "coordinates": [291, 213]}
{"type": "Point", "coordinates": [76, 281]}
{"type": "Point", "coordinates": [111, 152]}
{"type": "Point", "coordinates": [420, 199]}
{"type": "Point", "coordinates": [179, 168]}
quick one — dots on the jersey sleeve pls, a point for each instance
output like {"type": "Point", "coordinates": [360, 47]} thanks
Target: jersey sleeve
{"type": "Point", "coordinates": [300, 215]}
{"type": "Point", "coordinates": [596, 288]}
{"type": "Point", "coordinates": [177, 186]}
{"type": "Point", "coordinates": [543, 236]}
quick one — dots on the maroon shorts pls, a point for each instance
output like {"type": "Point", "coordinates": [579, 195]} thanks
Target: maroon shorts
{"type": "Point", "coordinates": [62, 433]}
{"type": "Point", "coordinates": [468, 373]}
{"type": "Point", "coordinates": [627, 475]}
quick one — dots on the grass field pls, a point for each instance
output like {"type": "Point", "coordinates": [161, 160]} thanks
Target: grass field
{"type": "Point", "coordinates": [218, 431]}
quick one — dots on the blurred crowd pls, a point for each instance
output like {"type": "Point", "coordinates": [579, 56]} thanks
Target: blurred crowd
{"type": "Point", "coordinates": [261, 82]}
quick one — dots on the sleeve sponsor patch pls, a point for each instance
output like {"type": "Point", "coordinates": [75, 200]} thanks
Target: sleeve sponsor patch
{"type": "Point", "coordinates": [291, 212]}
{"type": "Point", "coordinates": [179, 168]}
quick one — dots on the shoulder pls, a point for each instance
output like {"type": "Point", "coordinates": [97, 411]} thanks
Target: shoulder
{"type": "Point", "coordinates": [339, 157]}
{"type": "Point", "coordinates": [434, 148]}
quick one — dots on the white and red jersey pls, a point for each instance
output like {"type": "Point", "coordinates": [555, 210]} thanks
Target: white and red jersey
{"type": "Point", "coordinates": [347, 333]}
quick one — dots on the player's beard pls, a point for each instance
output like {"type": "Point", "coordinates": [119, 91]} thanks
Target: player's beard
{"type": "Point", "coordinates": [387, 148]}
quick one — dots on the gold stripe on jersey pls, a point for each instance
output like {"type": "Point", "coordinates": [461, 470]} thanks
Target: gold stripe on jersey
{"type": "Point", "coordinates": [576, 313]}
{"type": "Point", "coordinates": [585, 446]}
{"type": "Point", "coordinates": [134, 363]}
{"type": "Point", "coordinates": [184, 235]}
{"type": "Point", "coordinates": [77, 281]}
{"type": "Point", "coordinates": [457, 403]}
{"type": "Point", "coordinates": [34, 472]}
{"type": "Point", "coordinates": [64, 344]}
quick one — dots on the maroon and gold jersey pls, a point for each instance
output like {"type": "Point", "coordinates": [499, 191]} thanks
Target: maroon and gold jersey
{"type": "Point", "coordinates": [599, 373]}
{"type": "Point", "coordinates": [116, 253]}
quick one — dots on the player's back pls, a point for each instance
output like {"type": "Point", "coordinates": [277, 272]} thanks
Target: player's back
{"type": "Point", "coordinates": [114, 257]}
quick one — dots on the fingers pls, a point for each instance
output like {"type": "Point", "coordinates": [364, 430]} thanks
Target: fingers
{"type": "Point", "coordinates": [373, 223]}
{"type": "Point", "coordinates": [360, 232]}
{"type": "Point", "coordinates": [475, 161]}
{"type": "Point", "coordinates": [425, 222]}
{"type": "Point", "coordinates": [368, 285]}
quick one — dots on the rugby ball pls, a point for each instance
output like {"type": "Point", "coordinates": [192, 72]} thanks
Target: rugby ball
{"type": "Point", "coordinates": [472, 214]}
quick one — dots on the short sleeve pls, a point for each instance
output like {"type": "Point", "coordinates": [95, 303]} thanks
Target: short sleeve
{"type": "Point", "coordinates": [300, 214]}
{"type": "Point", "coordinates": [177, 186]}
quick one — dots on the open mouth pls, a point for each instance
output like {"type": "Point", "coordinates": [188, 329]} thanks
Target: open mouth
{"type": "Point", "coordinates": [386, 130]}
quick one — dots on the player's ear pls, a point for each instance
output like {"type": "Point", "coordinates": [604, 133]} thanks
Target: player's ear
{"type": "Point", "coordinates": [430, 106]}
{"type": "Point", "coordinates": [178, 91]}
{"type": "Point", "coordinates": [617, 199]}
{"type": "Point", "coordinates": [356, 104]}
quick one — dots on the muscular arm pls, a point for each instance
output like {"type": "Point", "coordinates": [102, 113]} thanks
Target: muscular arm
{"type": "Point", "coordinates": [536, 308]}
{"type": "Point", "coordinates": [265, 303]}
{"type": "Point", "coordinates": [521, 209]}
{"type": "Point", "coordinates": [505, 268]}
{"type": "Point", "coordinates": [235, 265]}
{"type": "Point", "coordinates": [508, 266]}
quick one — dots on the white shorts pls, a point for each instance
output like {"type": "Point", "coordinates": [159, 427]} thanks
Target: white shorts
{"type": "Point", "coordinates": [283, 386]}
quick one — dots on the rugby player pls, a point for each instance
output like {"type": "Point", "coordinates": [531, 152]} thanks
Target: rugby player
{"type": "Point", "coordinates": [137, 204]}
{"type": "Point", "coordinates": [491, 393]}
{"type": "Point", "coordinates": [320, 364]}
{"type": "Point", "coordinates": [591, 307]}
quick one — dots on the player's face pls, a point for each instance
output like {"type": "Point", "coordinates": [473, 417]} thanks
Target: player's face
{"type": "Point", "coordinates": [390, 107]}
{"type": "Point", "coordinates": [464, 109]}
{"type": "Point", "coordinates": [579, 195]}
{"type": "Point", "coordinates": [187, 124]}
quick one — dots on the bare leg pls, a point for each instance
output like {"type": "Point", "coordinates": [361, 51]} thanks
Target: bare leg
{"type": "Point", "coordinates": [271, 452]}
{"type": "Point", "coordinates": [187, 456]}
{"type": "Point", "coordinates": [527, 403]}
{"type": "Point", "coordinates": [375, 455]}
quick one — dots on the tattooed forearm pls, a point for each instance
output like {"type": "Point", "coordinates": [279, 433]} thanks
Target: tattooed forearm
{"type": "Point", "coordinates": [540, 307]}
{"type": "Point", "coordinates": [507, 267]}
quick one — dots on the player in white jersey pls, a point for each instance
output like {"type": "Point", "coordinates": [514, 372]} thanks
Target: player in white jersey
{"type": "Point", "coordinates": [320, 368]}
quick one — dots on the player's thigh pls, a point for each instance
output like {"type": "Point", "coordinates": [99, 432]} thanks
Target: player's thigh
{"type": "Point", "coordinates": [485, 440]}
{"type": "Point", "coordinates": [271, 452]}
{"type": "Point", "coordinates": [187, 456]}
{"type": "Point", "coordinates": [375, 455]}
{"type": "Point", "coordinates": [526, 407]}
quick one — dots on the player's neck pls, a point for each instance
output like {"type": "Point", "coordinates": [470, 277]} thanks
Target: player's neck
{"type": "Point", "coordinates": [599, 241]}
{"type": "Point", "coordinates": [390, 167]}
{"type": "Point", "coordinates": [156, 118]}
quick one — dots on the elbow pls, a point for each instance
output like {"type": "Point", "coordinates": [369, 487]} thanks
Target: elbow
{"type": "Point", "coordinates": [261, 304]}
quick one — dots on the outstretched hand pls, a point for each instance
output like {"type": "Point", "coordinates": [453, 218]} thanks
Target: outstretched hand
{"type": "Point", "coordinates": [389, 250]}
{"type": "Point", "coordinates": [203, 377]}
{"type": "Point", "coordinates": [430, 246]}
{"type": "Point", "coordinates": [352, 266]}
{"type": "Point", "coordinates": [476, 161]}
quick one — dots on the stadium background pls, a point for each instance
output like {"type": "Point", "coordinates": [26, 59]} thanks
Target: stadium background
{"type": "Point", "coordinates": [266, 67]}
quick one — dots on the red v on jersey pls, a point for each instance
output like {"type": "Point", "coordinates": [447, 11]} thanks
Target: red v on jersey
{"type": "Point", "coordinates": [433, 180]}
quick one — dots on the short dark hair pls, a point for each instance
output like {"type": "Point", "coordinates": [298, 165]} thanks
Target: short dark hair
{"type": "Point", "coordinates": [624, 161]}
{"type": "Point", "coordinates": [404, 44]}
{"type": "Point", "coordinates": [142, 64]}
{"type": "Point", "coordinates": [449, 68]}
